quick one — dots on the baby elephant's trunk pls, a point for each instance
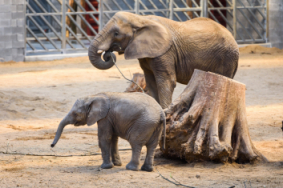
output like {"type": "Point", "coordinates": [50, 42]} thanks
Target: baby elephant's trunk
{"type": "Point", "coordinates": [61, 126]}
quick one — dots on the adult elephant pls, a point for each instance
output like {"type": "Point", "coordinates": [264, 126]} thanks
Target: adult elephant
{"type": "Point", "coordinates": [168, 51]}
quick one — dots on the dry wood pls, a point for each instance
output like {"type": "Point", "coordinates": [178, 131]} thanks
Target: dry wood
{"type": "Point", "coordinates": [140, 80]}
{"type": "Point", "coordinates": [208, 121]}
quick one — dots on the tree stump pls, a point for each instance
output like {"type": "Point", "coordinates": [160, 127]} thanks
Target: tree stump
{"type": "Point", "coordinates": [140, 80]}
{"type": "Point", "coordinates": [208, 122]}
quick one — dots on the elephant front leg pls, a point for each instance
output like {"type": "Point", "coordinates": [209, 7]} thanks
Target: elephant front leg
{"type": "Point", "coordinates": [114, 151]}
{"type": "Point", "coordinates": [104, 139]}
{"type": "Point", "coordinates": [166, 84]}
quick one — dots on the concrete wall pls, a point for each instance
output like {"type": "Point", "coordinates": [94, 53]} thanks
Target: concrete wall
{"type": "Point", "coordinates": [276, 23]}
{"type": "Point", "coordinates": [12, 41]}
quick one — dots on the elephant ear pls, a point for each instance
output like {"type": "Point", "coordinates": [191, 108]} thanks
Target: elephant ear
{"type": "Point", "coordinates": [150, 39]}
{"type": "Point", "coordinates": [97, 109]}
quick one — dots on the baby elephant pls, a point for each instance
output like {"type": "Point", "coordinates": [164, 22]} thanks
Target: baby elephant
{"type": "Point", "coordinates": [135, 117]}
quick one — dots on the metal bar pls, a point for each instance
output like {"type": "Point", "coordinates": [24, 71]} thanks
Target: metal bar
{"type": "Point", "coordinates": [70, 30]}
{"type": "Point", "coordinates": [251, 23]}
{"type": "Point", "coordinates": [204, 8]}
{"type": "Point", "coordinates": [267, 21]}
{"type": "Point", "coordinates": [150, 10]}
{"type": "Point", "coordinates": [91, 15]}
{"type": "Point", "coordinates": [220, 8]}
{"type": "Point", "coordinates": [74, 21]}
{"type": "Point", "coordinates": [43, 18]}
{"type": "Point", "coordinates": [25, 22]}
{"type": "Point", "coordinates": [58, 22]}
{"type": "Point", "coordinates": [171, 9]}
{"type": "Point", "coordinates": [250, 7]}
{"type": "Point", "coordinates": [131, 8]}
{"type": "Point", "coordinates": [92, 7]}
{"type": "Point", "coordinates": [38, 51]}
{"type": "Point", "coordinates": [100, 14]}
{"type": "Point", "coordinates": [51, 4]}
{"type": "Point", "coordinates": [30, 45]}
{"type": "Point", "coordinates": [86, 22]}
{"type": "Point", "coordinates": [63, 28]}
{"type": "Point", "coordinates": [36, 38]}
{"type": "Point", "coordinates": [137, 6]}
{"type": "Point", "coordinates": [253, 16]}
{"type": "Point", "coordinates": [38, 26]}
{"type": "Point", "coordinates": [234, 19]}
{"type": "Point", "coordinates": [187, 9]}
{"type": "Point", "coordinates": [251, 40]}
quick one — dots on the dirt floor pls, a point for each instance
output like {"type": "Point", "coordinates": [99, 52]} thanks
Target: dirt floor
{"type": "Point", "coordinates": [35, 96]}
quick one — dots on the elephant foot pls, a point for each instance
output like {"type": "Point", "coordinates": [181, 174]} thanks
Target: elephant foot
{"type": "Point", "coordinates": [146, 167]}
{"type": "Point", "coordinates": [107, 165]}
{"type": "Point", "coordinates": [117, 162]}
{"type": "Point", "coordinates": [132, 166]}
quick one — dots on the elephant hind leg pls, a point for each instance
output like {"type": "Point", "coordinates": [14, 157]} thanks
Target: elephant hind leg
{"type": "Point", "coordinates": [136, 152]}
{"type": "Point", "coordinates": [151, 145]}
{"type": "Point", "coordinates": [114, 151]}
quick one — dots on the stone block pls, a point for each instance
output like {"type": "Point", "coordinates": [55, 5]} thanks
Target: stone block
{"type": "Point", "coordinates": [18, 1]}
{"type": "Point", "coordinates": [1, 31]}
{"type": "Point", "coordinates": [20, 8]}
{"type": "Point", "coordinates": [18, 58]}
{"type": "Point", "coordinates": [21, 51]}
{"type": "Point", "coordinates": [14, 52]}
{"type": "Point", "coordinates": [7, 2]}
{"type": "Point", "coordinates": [18, 15]}
{"type": "Point", "coordinates": [8, 58]}
{"type": "Point", "coordinates": [14, 8]}
{"type": "Point", "coordinates": [20, 22]}
{"type": "Point", "coordinates": [13, 23]}
{"type": "Point", "coordinates": [5, 8]}
{"type": "Point", "coordinates": [8, 44]}
{"type": "Point", "coordinates": [20, 37]}
{"type": "Point", "coordinates": [7, 31]}
{"type": "Point", "coordinates": [5, 23]}
{"type": "Point", "coordinates": [5, 38]}
{"type": "Point", "coordinates": [5, 15]}
{"type": "Point", "coordinates": [6, 52]}
{"type": "Point", "coordinates": [18, 44]}
{"type": "Point", "coordinates": [16, 30]}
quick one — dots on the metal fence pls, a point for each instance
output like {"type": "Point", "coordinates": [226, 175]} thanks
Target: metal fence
{"type": "Point", "coordinates": [68, 26]}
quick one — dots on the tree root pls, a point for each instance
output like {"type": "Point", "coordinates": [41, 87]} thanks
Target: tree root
{"type": "Point", "coordinates": [208, 122]}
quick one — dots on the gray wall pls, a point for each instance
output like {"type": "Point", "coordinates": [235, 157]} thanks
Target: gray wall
{"type": "Point", "coordinates": [12, 30]}
{"type": "Point", "coordinates": [276, 23]}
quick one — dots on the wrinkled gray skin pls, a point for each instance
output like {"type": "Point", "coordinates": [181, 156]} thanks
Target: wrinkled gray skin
{"type": "Point", "coordinates": [168, 51]}
{"type": "Point", "coordinates": [135, 117]}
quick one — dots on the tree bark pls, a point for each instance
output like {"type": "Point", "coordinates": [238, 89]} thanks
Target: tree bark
{"type": "Point", "coordinates": [208, 122]}
{"type": "Point", "coordinates": [140, 80]}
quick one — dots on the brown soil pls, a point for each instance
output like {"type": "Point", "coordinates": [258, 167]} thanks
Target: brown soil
{"type": "Point", "coordinates": [35, 96]}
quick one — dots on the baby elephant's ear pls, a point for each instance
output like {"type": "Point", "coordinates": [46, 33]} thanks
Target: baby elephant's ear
{"type": "Point", "coordinates": [97, 108]}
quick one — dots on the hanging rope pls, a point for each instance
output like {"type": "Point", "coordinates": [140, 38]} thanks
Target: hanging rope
{"type": "Point", "coordinates": [123, 74]}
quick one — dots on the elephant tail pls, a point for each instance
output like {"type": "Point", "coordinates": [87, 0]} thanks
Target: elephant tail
{"type": "Point", "coordinates": [163, 119]}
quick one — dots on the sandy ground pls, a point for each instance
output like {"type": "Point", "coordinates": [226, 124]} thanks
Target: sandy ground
{"type": "Point", "coordinates": [35, 96]}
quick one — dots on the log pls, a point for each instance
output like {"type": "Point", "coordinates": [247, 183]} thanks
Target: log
{"type": "Point", "coordinates": [208, 122]}
{"type": "Point", "coordinates": [140, 80]}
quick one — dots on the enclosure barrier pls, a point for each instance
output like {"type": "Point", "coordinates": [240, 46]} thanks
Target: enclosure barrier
{"type": "Point", "coordinates": [68, 26]}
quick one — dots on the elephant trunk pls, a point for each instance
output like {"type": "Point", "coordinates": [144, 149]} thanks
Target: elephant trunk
{"type": "Point", "coordinates": [95, 57]}
{"type": "Point", "coordinates": [61, 126]}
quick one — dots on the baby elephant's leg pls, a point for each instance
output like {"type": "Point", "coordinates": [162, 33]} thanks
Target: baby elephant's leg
{"type": "Point", "coordinates": [150, 146]}
{"type": "Point", "coordinates": [114, 151]}
{"type": "Point", "coordinates": [104, 138]}
{"type": "Point", "coordinates": [136, 152]}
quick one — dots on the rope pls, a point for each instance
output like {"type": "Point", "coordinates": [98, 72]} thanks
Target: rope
{"type": "Point", "coordinates": [123, 74]}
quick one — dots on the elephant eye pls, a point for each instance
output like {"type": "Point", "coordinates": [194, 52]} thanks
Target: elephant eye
{"type": "Point", "coordinates": [116, 34]}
